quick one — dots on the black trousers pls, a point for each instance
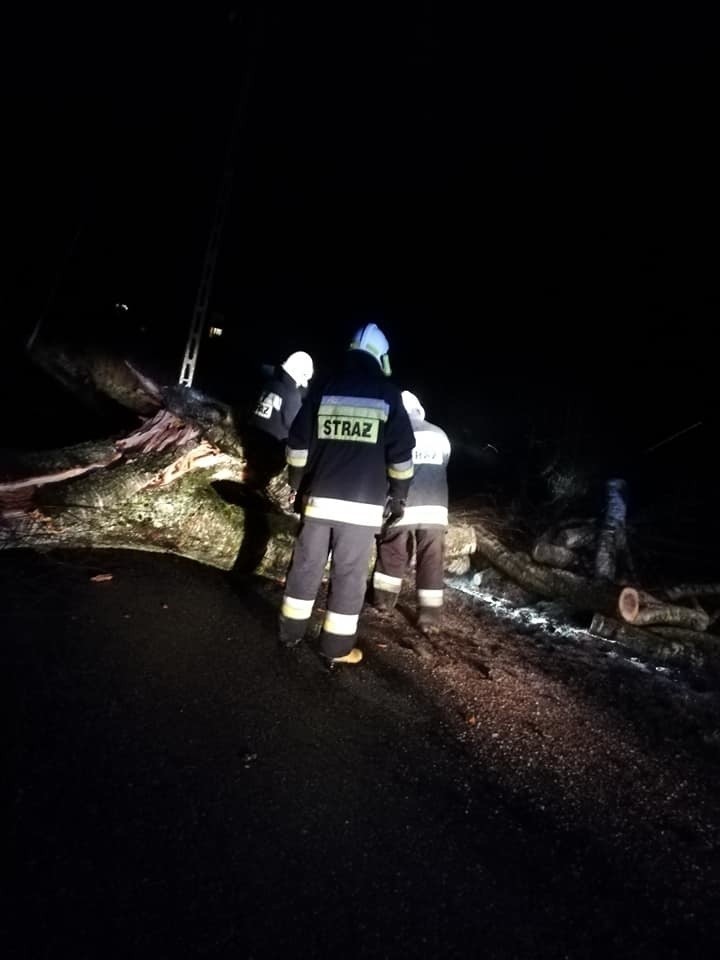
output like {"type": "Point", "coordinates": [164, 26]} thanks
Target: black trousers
{"type": "Point", "coordinates": [394, 553]}
{"type": "Point", "coordinates": [351, 548]}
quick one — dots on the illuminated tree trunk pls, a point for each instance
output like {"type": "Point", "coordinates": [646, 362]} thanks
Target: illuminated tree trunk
{"type": "Point", "coordinates": [580, 592]}
{"type": "Point", "coordinates": [156, 488]}
{"type": "Point", "coordinates": [152, 490]}
{"type": "Point", "coordinates": [684, 647]}
{"type": "Point", "coordinates": [643, 610]}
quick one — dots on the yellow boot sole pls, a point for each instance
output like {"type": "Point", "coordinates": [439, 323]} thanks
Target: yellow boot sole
{"type": "Point", "coordinates": [355, 656]}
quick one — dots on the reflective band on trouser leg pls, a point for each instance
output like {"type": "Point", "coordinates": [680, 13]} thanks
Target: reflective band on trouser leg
{"type": "Point", "coordinates": [430, 598]}
{"type": "Point", "coordinates": [294, 620]}
{"type": "Point", "coordinates": [341, 624]}
{"type": "Point", "coordinates": [338, 633]}
{"type": "Point", "coordinates": [381, 581]}
{"type": "Point", "coordinates": [351, 549]}
{"type": "Point", "coordinates": [295, 609]}
{"type": "Point", "coordinates": [395, 550]}
{"type": "Point", "coordinates": [306, 567]}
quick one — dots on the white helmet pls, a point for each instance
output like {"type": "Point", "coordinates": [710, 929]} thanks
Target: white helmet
{"type": "Point", "coordinates": [412, 405]}
{"type": "Point", "coordinates": [372, 340]}
{"type": "Point", "coordinates": [300, 367]}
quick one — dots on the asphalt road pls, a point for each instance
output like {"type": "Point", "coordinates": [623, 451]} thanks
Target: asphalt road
{"type": "Point", "coordinates": [177, 786]}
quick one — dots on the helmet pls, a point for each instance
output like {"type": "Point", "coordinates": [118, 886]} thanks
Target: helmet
{"type": "Point", "coordinates": [300, 367]}
{"type": "Point", "coordinates": [372, 340]}
{"type": "Point", "coordinates": [412, 405]}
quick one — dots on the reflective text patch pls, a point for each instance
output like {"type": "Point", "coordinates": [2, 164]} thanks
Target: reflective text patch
{"type": "Point", "coordinates": [427, 456]}
{"type": "Point", "coordinates": [266, 404]}
{"type": "Point", "coordinates": [362, 429]}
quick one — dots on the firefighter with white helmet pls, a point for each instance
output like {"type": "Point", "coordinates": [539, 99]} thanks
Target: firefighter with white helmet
{"type": "Point", "coordinates": [421, 529]}
{"type": "Point", "coordinates": [272, 415]}
{"type": "Point", "coordinates": [282, 396]}
{"type": "Point", "coordinates": [350, 458]}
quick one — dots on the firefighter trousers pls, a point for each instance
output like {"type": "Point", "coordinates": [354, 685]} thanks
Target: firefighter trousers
{"type": "Point", "coordinates": [394, 554]}
{"type": "Point", "coordinates": [351, 547]}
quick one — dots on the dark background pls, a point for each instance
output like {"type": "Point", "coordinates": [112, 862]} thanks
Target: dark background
{"type": "Point", "coordinates": [525, 198]}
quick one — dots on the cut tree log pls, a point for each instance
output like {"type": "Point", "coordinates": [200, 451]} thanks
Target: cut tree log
{"type": "Point", "coordinates": [577, 537]}
{"type": "Point", "coordinates": [579, 592]}
{"type": "Point", "coordinates": [641, 609]}
{"type": "Point", "coordinates": [680, 651]}
{"type": "Point", "coordinates": [683, 590]}
{"type": "Point", "coordinates": [687, 636]}
{"type": "Point", "coordinates": [553, 555]}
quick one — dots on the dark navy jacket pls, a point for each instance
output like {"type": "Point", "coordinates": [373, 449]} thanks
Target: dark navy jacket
{"type": "Point", "coordinates": [351, 445]}
{"type": "Point", "coordinates": [278, 405]}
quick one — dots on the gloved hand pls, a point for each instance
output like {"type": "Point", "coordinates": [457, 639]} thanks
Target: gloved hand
{"type": "Point", "coordinates": [394, 510]}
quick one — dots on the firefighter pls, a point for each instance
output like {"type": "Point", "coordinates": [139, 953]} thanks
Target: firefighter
{"type": "Point", "coordinates": [269, 423]}
{"type": "Point", "coordinates": [350, 459]}
{"type": "Point", "coordinates": [422, 528]}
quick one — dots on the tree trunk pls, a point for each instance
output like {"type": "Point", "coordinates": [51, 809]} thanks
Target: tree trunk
{"type": "Point", "coordinates": [149, 491]}
{"type": "Point", "coordinates": [553, 555]}
{"type": "Point", "coordinates": [157, 488]}
{"type": "Point", "coordinates": [693, 590]}
{"type": "Point", "coordinates": [651, 644]}
{"type": "Point", "coordinates": [642, 609]}
{"type": "Point", "coordinates": [579, 592]}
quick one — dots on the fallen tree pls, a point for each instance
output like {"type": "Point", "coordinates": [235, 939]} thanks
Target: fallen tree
{"type": "Point", "coordinates": [158, 487]}
{"type": "Point", "coordinates": [163, 486]}
{"type": "Point", "coordinates": [151, 490]}
{"type": "Point", "coordinates": [681, 646]}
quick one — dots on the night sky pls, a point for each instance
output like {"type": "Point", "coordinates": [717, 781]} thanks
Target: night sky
{"type": "Point", "coordinates": [535, 188]}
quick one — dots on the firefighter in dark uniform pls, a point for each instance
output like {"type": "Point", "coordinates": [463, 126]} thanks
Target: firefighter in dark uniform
{"type": "Point", "coordinates": [421, 529]}
{"type": "Point", "coordinates": [271, 418]}
{"type": "Point", "coordinates": [350, 459]}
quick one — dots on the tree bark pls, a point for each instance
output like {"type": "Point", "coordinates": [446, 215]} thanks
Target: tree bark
{"type": "Point", "coordinates": [156, 488]}
{"type": "Point", "coordinates": [579, 592]}
{"type": "Point", "coordinates": [642, 609]}
{"type": "Point", "coordinates": [159, 500]}
{"type": "Point", "coordinates": [553, 555]}
{"type": "Point", "coordinates": [680, 650]}
{"type": "Point", "coordinates": [683, 590]}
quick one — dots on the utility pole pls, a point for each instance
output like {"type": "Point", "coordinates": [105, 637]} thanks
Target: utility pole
{"type": "Point", "coordinates": [202, 300]}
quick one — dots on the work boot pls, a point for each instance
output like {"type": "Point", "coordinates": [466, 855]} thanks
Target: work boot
{"type": "Point", "coordinates": [291, 632]}
{"type": "Point", "coordinates": [384, 601]}
{"type": "Point", "coordinates": [355, 656]}
{"type": "Point", "coordinates": [428, 619]}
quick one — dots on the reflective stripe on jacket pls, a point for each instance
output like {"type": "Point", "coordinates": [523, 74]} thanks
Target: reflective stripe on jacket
{"type": "Point", "coordinates": [351, 446]}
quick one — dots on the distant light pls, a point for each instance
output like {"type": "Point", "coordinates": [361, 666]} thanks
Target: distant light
{"type": "Point", "coordinates": [215, 331]}
{"type": "Point", "coordinates": [122, 307]}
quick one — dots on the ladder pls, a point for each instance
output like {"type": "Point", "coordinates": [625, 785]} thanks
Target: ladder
{"type": "Point", "coordinates": [202, 300]}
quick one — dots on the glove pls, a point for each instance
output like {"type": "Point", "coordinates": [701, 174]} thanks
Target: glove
{"type": "Point", "coordinates": [394, 510]}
